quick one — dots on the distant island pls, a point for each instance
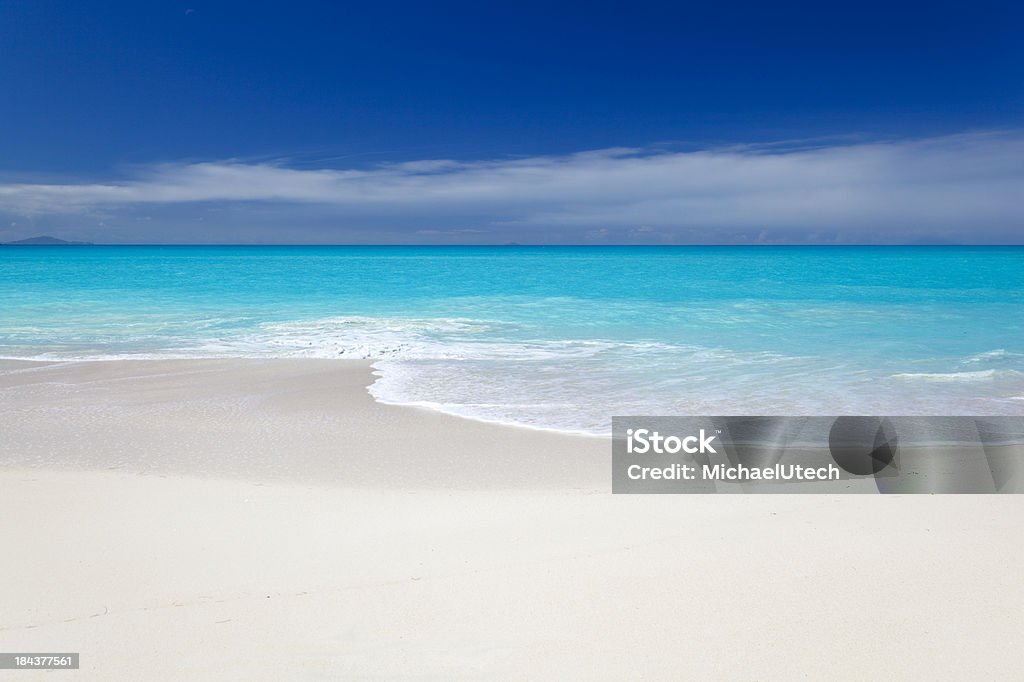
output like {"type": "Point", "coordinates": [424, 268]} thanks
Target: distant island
{"type": "Point", "coordinates": [44, 240]}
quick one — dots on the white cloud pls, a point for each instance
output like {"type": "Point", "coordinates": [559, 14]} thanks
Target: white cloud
{"type": "Point", "coordinates": [963, 188]}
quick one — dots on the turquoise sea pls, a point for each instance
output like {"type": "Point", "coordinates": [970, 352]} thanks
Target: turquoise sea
{"type": "Point", "coordinates": [557, 337]}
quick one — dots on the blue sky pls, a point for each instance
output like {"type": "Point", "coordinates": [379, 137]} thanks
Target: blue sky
{"type": "Point", "coordinates": [476, 122]}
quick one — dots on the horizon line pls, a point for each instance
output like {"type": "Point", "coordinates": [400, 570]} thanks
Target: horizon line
{"type": "Point", "coordinates": [535, 245]}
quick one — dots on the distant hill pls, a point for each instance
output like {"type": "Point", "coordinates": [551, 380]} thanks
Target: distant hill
{"type": "Point", "coordinates": [44, 241]}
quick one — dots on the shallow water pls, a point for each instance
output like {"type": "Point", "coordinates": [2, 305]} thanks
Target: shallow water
{"type": "Point", "coordinates": [558, 337]}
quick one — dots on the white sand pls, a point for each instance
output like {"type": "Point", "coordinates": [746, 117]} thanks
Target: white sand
{"type": "Point", "coordinates": [268, 520]}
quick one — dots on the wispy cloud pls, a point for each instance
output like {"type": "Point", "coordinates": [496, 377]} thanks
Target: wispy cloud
{"type": "Point", "coordinates": [954, 188]}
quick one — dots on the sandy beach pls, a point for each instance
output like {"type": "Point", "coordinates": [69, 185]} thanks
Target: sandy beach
{"type": "Point", "coordinates": [267, 519]}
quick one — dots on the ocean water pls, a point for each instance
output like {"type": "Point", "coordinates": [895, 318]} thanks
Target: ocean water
{"type": "Point", "coordinates": [558, 337]}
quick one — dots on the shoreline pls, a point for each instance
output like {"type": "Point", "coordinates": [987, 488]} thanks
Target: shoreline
{"type": "Point", "coordinates": [7, 362]}
{"type": "Point", "coordinates": [251, 411]}
{"type": "Point", "coordinates": [269, 520]}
